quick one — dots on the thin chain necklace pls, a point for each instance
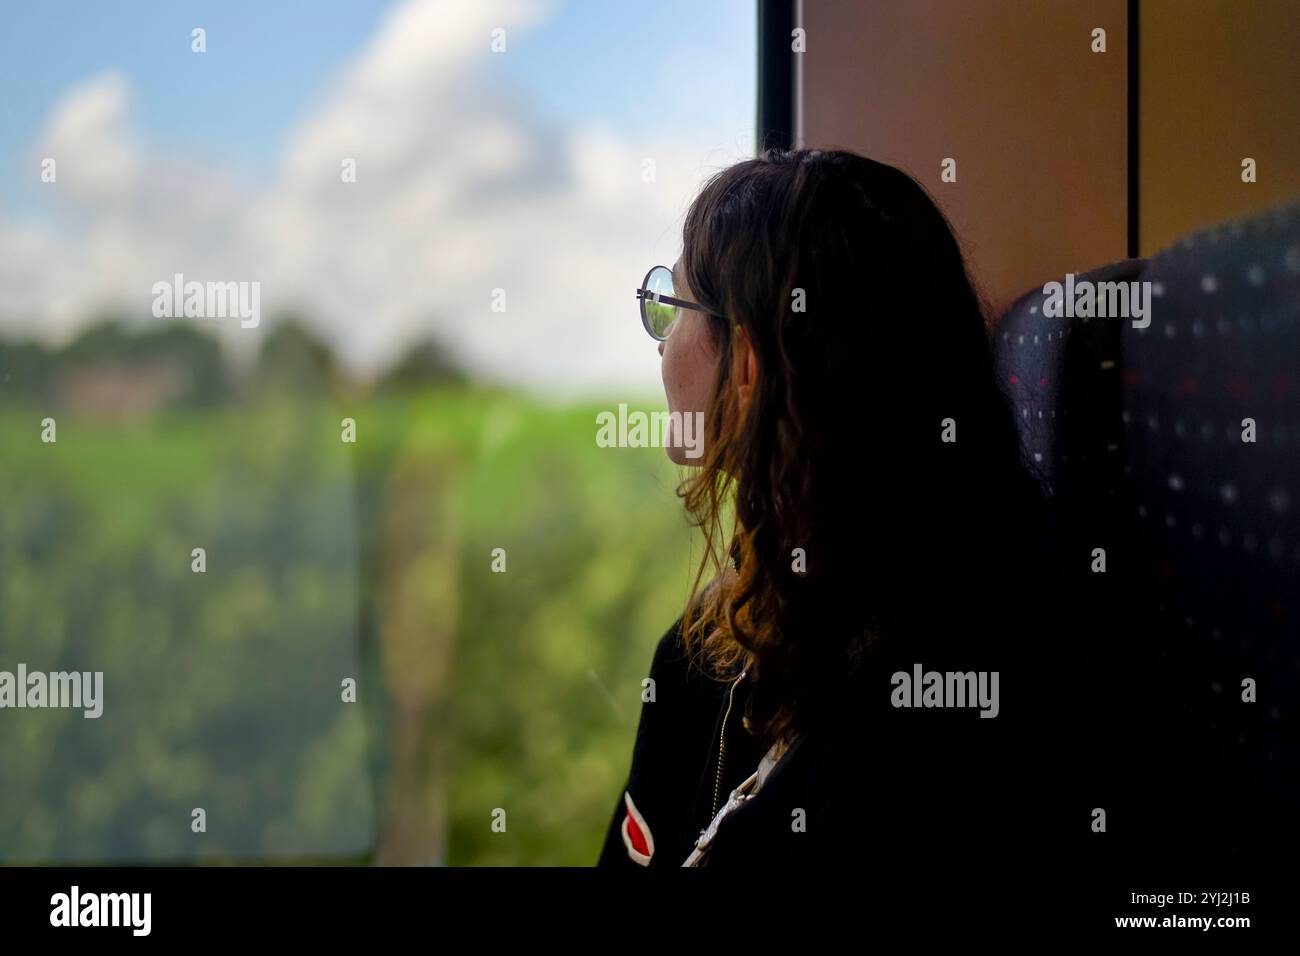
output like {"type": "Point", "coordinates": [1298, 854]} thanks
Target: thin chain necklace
{"type": "Point", "coordinates": [744, 792]}
{"type": "Point", "coordinates": [722, 736]}
{"type": "Point", "coordinates": [722, 746]}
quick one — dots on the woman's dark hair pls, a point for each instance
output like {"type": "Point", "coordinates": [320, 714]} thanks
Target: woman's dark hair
{"type": "Point", "coordinates": [877, 443]}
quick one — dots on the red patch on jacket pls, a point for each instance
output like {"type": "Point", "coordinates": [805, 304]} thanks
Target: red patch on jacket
{"type": "Point", "coordinates": [638, 839]}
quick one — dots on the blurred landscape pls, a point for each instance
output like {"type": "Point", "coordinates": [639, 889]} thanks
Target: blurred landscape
{"type": "Point", "coordinates": [325, 560]}
{"type": "Point", "coordinates": [388, 173]}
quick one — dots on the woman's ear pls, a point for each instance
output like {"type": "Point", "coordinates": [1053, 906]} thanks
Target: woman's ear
{"type": "Point", "coordinates": [746, 367]}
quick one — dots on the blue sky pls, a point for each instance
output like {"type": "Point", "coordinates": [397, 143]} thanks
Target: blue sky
{"type": "Point", "coordinates": [268, 62]}
{"type": "Point", "coordinates": [265, 63]}
{"type": "Point", "coordinates": [524, 171]}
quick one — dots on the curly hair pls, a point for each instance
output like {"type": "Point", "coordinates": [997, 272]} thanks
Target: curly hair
{"type": "Point", "coordinates": [876, 462]}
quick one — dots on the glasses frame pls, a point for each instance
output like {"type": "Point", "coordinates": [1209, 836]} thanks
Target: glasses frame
{"type": "Point", "coordinates": [643, 295]}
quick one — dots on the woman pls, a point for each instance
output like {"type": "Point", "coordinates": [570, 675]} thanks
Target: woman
{"type": "Point", "coordinates": [868, 523]}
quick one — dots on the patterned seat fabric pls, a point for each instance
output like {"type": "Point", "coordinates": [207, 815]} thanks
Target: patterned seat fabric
{"type": "Point", "coordinates": [1173, 448]}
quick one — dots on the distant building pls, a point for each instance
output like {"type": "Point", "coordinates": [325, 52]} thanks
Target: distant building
{"type": "Point", "coordinates": [122, 390]}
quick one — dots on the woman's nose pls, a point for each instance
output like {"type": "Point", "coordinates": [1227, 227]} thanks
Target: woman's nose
{"type": "Point", "coordinates": [661, 348]}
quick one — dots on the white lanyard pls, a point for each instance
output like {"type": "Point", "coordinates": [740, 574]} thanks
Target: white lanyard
{"type": "Point", "coordinates": [745, 791]}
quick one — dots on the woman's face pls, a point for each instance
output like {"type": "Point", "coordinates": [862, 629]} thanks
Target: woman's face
{"type": "Point", "coordinates": [688, 367]}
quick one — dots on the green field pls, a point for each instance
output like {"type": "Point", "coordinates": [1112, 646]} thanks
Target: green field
{"type": "Point", "coordinates": [477, 691]}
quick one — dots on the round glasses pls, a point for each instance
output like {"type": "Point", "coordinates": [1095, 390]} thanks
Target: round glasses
{"type": "Point", "coordinates": [658, 304]}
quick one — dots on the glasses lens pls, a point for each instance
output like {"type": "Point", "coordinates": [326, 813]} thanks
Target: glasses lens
{"type": "Point", "coordinates": [658, 316]}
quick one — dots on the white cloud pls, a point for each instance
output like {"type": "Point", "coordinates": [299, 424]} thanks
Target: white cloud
{"type": "Point", "coordinates": [90, 121]}
{"type": "Point", "coordinates": [460, 190]}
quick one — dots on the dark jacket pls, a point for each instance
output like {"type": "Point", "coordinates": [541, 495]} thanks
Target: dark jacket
{"type": "Point", "coordinates": [865, 781]}
{"type": "Point", "coordinates": [1084, 723]}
